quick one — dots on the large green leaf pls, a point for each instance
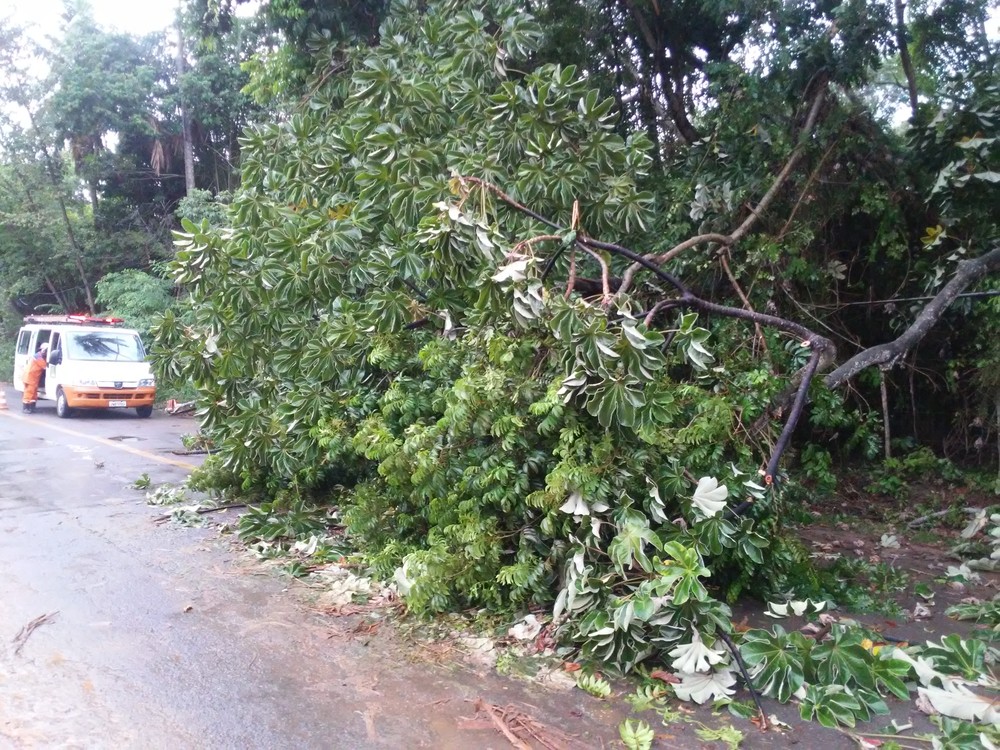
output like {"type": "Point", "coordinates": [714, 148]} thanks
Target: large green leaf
{"type": "Point", "coordinates": [842, 659]}
{"type": "Point", "coordinates": [629, 544]}
{"type": "Point", "coordinates": [830, 705]}
{"type": "Point", "coordinates": [777, 660]}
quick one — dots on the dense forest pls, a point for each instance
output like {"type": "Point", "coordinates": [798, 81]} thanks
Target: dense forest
{"type": "Point", "coordinates": [562, 304]}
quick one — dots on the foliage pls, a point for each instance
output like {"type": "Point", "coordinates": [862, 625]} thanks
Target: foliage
{"type": "Point", "coordinates": [7, 361]}
{"type": "Point", "coordinates": [136, 296]}
{"type": "Point", "coordinates": [383, 331]}
{"type": "Point", "coordinates": [981, 533]}
{"type": "Point", "coordinates": [984, 612]}
{"type": "Point", "coordinates": [211, 477]}
{"type": "Point", "coordinates": [731, 736]}
{"type": "Point", "coordinates": [201, 205]}
{"type": "Point", "coordinates": [594, 685]}
{"type": "Point", "coordinates": [535, 453]}
{"type": "Point", "coordinates": [636, 734]}
{"type": "Point", "coordinates": [979, 548]}
{"type": "Point", "coordinates": [893, 477]}
{"type": "Point", "coordinates": [213, 90]}
{"type": "Point", "coordinates": [143, 482]}
{"type": "Point", "coordinates": [845, 678]}
{"type": "Point", "coordinates": [864, 586]}
{"type": "Point", "coordinates": [90, 153]}
{"type": "Point", "coordinates": [394, 323]}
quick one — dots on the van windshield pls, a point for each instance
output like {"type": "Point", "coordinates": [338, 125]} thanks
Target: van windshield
{"type": "Point", "coordinates": [104, 346]}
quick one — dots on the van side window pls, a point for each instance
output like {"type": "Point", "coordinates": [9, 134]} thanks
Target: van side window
{"type": "Point", "coordinates": [23, 342]}
{"type": "Point", "coordinates": [43, 338]}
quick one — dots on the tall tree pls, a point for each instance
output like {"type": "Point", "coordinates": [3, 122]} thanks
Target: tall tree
{"type": "Point", "coordinates": [189, 184]}
{"type": "Point", "coordinates": [29, 145]}
{"type": "Point", "coordinates": [213, 93]}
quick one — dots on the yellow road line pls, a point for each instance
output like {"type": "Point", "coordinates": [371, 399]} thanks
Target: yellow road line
{"type": "Point", "coordinates": [102, 441]}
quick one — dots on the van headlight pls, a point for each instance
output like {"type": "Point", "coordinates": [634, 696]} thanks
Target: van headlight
{"type": "Point", "coordinates": [147, 382]}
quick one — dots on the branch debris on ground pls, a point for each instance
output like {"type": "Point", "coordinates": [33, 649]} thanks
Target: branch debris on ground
{"type": "Point", "coordinates": [24, 633]}
{"type": "Point", "coordinates": [523, 732]}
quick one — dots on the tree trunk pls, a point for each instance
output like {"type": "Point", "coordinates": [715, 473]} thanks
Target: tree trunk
{"type": "Point", "coordinates": [56, 181]}
{"type": "Point", "coordinates": [185, 118]}
{"type": "Point", "coordinates": [671, 75]}
{"type": "Point", "coordinates": [886, 434]}
{"type": "Point", "coordinates": [904, 56]}
{"type": "Point", "coordinates": [77, 257]}
{"type": "Point", "coordinates": [55, 293]}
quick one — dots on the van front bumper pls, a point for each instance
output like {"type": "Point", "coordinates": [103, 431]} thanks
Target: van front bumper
{"type": "Point", "coordinates": [101, 398]}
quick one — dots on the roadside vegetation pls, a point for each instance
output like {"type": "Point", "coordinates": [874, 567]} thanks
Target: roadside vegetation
{"type": "Point", "coordinates": [595, 316]}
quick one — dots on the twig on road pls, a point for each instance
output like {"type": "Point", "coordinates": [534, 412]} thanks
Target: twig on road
{"type": "Point", "coordinates": [24, 633]}
{"type": "Point", "coordinates": [937, 514]}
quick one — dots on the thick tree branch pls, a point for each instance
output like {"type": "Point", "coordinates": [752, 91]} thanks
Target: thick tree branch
{"type": "Point", "coordinates": [823, 349]}
{"type": "Point", "coordinates": [724, 261]}
{"type": "Point", "coordinates": [668, 68]}
{"type": "Point", "coordinates": [969, 272]}
{"type": "Point", "coordinates": [489, 186]}
{"type": "Point", "coordinates": [756, 212]}
{"type": "Point", "coordinates": [793, 418]}
{"type": "Point", "coordinates": [687, 298]}
{"type": "Point", "coordinates": [605, 276]}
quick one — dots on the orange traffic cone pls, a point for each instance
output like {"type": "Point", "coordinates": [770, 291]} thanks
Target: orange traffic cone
{"type": "Point", "coordinates": [3, 399]}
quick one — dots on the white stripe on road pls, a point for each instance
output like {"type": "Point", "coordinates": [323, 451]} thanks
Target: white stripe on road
{"type": "Point", "coordinates": [102, 441]}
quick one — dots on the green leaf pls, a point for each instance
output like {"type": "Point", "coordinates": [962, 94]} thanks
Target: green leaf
{"type": "Point", "coordinates": [593, 685]}
{"type": "Point", "coordinates": [778, 658]}
{"type": "Point", "coordinates": [871, 704]}
{"type": "Point", "coordinates": [954, 655]}
{"type": "Point", "coordinates": [841, 659]}
{"type": "Point", "coordinates": [891, 674]}
{"type": "Point", "coordinates": [636, 734]}
{"type": "Point", "coordinates": [731, 736]}
{"type": "Point", "coordinates": [830, 705]}
{"type": "Point", "coordinates": [629, 545]}
{"type": "Point", "coordinates": [679, 576]}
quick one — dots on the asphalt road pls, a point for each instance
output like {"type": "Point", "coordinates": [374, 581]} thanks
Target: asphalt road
{"type": "Point", "coordinates": [161, 636]}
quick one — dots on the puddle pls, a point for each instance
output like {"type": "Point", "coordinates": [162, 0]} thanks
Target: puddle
{"type": "Point", "coordinates": [125, 438]}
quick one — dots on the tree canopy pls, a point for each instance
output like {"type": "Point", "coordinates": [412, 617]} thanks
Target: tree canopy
{"type": "Point", "coordinates": [92, 151]}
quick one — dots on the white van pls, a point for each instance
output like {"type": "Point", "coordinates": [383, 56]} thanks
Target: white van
{"type": "Point", "coordinates": [93, 363]}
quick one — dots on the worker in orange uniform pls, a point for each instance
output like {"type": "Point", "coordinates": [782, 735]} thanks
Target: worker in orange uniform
{"type": "Point", "coordinates": [32, 376]}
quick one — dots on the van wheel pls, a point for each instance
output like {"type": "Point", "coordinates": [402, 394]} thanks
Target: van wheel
{"type": "Point", "coordinates": [62, 405]}
{"type": "Point", "coordinates": [144, 411]}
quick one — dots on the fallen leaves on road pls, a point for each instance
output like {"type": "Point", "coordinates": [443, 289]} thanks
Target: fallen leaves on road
{"type": "Point", "coordinates": [659, 674]}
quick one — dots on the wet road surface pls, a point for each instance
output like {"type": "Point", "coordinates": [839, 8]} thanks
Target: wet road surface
{"type": "Point", "coordinates": [162, 636]}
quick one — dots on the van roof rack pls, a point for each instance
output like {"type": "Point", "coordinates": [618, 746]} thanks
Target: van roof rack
{"type": "Point", "coordinates": [83, 320]}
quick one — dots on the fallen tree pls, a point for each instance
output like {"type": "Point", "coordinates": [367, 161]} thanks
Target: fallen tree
{"type": "Point", "coordinates": [397, 325]}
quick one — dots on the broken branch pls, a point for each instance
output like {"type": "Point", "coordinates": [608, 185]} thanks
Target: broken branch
{"type": "Point", "coordinates": [24, 633]}
{"type": "Point", "coordinates": [969, 272]}
{"type": "Point", "coordinates": [756, 212]}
